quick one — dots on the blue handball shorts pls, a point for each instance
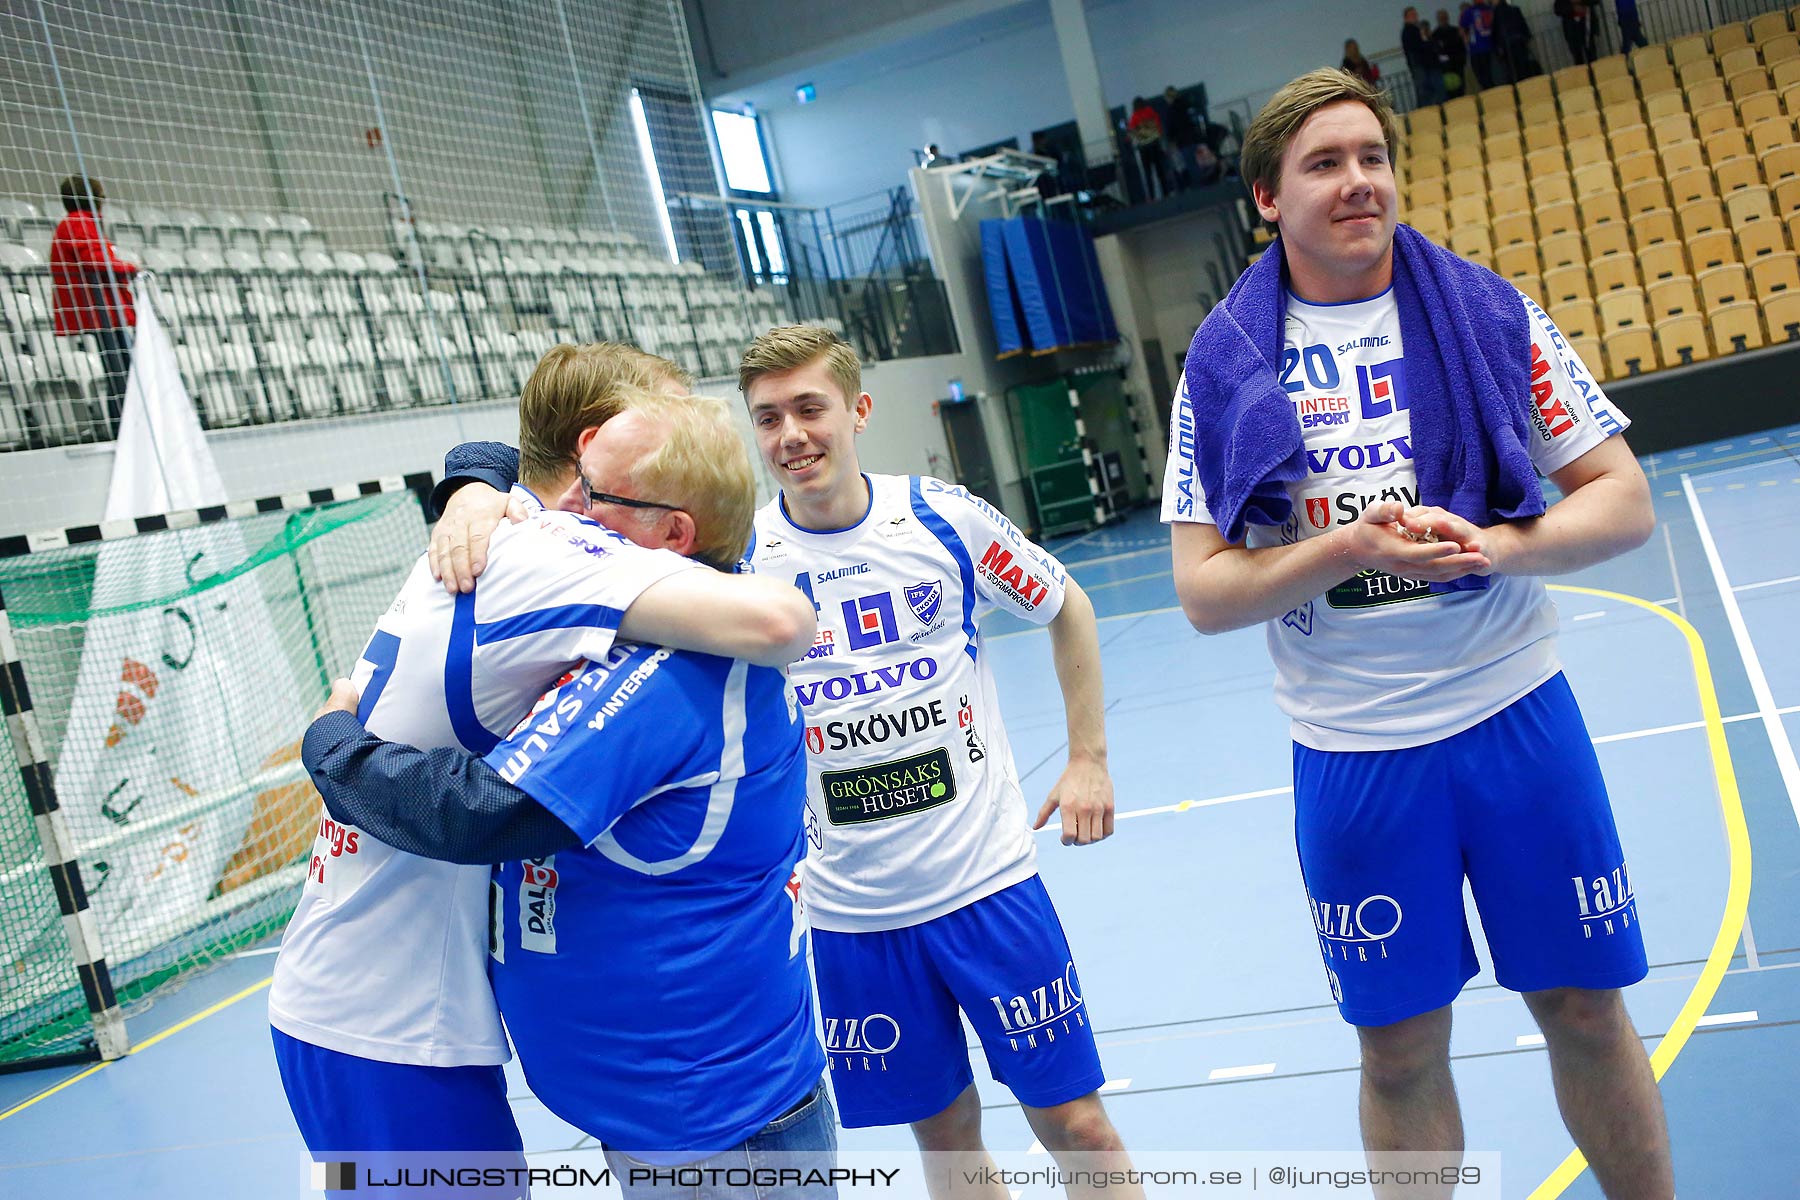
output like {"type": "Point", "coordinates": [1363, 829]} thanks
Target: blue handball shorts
{"type": "Point", "coordinates": [345, 1104]}
{"type": "Point", "coordinates": [890, 1000]}
{"type": "Point", "coordinates": [1517, 805]}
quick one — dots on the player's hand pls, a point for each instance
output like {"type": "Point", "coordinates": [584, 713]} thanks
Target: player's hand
{"type": "Point", "coordinates": [1085, 795]}
{"type": "Point", "coordinates": [459, 544]}
{"type": "Point", "coordinates": [1380, 540]}
{"type": "Point", "coordinates": [344, 698]}
{"type": "Point", "coordinates": [1422, 524]}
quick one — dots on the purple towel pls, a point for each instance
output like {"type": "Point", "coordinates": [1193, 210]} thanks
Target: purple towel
{"type": "Point", "coordinates": [1467, 342]}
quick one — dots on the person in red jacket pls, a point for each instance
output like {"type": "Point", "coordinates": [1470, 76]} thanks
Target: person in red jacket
{"type": "Point", "coordinates": [93, 287]}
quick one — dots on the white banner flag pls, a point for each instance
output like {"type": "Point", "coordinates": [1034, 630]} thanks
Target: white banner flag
{"type": "Point", "coordinates": [184, 697]}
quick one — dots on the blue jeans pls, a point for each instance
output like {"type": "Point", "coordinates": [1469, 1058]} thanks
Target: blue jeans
{"type": "Point", "coordinates": [774, 1163]}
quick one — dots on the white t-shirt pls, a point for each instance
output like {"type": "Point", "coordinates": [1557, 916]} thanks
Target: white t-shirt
{"type": "Point", "coordinates": [1378, 662]}
{"type": "Point", "coordinates": [914, 807]}
{"type": "Point", "coordinates": [386, 955]}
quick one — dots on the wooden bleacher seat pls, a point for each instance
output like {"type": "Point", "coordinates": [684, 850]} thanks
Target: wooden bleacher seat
{"type": "Point", "coordinates": [1786, 196]}
{"type": "Point", "coordinates": [1697, 73]}
{"type": "Point", "coordinates": [1507, 144]}
{"type": "Point", "coordinates": [1612, 67]}
{"type": "Point", "coordinates": [1622, 308]}
{"type": "Point", "coordinates": [1658, 105]}
{"type": "Point", "coordinates": [1473, 241]}
{"type": "Point", "coordinates": [1470, 181]}
{"type": "Point", "coordinates": [1564, 249]}
{"type": "Point", "coordinates": [1506, 173]}
{"type": "Point", "coordinates": [1688, 49]}
{"type": "Point", "coordinates": [1700, 216]}
{"type": "Point", "coordinates": [1613, 272]}
{"type": "Point", "coordinates": [1629, 352]}
{"type": "Point", "coordinates": [1771, 134]}
{"type": "Point", "coordinates": [1682, 340]}
{"type": "Point", "coordinates": [1637, 168]}
{"type": "Point", "coordinates": [1516, 259]}
{"type": "Point", "coordinates": [1463, 109]}
{"type": "Point", "coordinates": [1653, 228]}
{"type": "Point", "coordinates": [1673, 297]}
{"type": "Point", "coordinates": [1743, 58]}
{"type": "Point", "coordinates": [1567, 285]}
{"type": "Point", "coordinates": [1514, 227]}
{"type": "Point", "coordinates": [1621, 115]}
{"type": "Point", "coordinates": [1748, 83]}
{"type": "Point", "coordinates": [1735, 173]}
{"type": "Point", "coordinates": [1658, 80]}
{"type": "Point", "coordinates": [1647, 57]}
{"type": "Point", "coordinates": [1681, 156]}
{"type": "Point", "coordinates": [1736, 326]}
{"type": "Point", "coordinates": [1467, 210]}
{"type": "Point", "coordinates": [1749, 204]}
{"type": "Point", "coordinates": [1431, 223]}
{"type": "Point", "coordinates": [1711, 250]}
{"type": "Point", "coordinates": [1551, 189]}
{"type": "Point", "coordinates": [1610, 238]}
{"type": "Point", "coordinates": [1426, 191]}
{"type": "Point", "coordinates": [1759, 239]}
{"type": "Point", "coordinates": [1725, 144]}
{"type": "Point", "coordinates": [1588, 350]}
{"type": "Point", "coordinates": [1578, 100]}
{"type": "Point", "coordinates": [1727, 38]}
{"type": "Point", "coordinates": [1499, 120]}
{"type": "Point", "coordinates": [1580, 127]}
{"type": "Point", "coordinates": [1463, 156]}
{"type": "Point", "coordinates": [1593, 177]}
{"type": "Point", "coordinates": [1725, 284]}
{"type": "Point", "coordinates": [1597, 208]}
{"type": "Point", "coordinates": [1714, 118]}
{"type": "Point", "coordinates": [1696, 183]}
{"type": "Point", "coordinates": [1551, 160]}
{"type": "Point", "coordinates": [1575, 318]}
{"type": "Point", "coordinates": [1792, 221]}
{"type": "Point", "coordinates": [1535, 90]}
{"type": "Point", "coordinates": [1764, 106]}
{"type": "Point", "coordinates": [1703, 92]}
{"type": "Point", "coordinates": [1785, 74]}
{"type": "Point", "coordinates": [1569, 78]}
{"type": "Point", "coordinates": [1616, 93]}
{"type": "Point", "coordinates": [1633, 139]}
{"type": "Point", "coordinates": [1557, 218]}
{"type": "Point", "coordinates": [1773, 274]}
{"type": "Point", "coordinates": [1780, 49]}
{"type": "Point", "coordinates": [1768, 27]}
{"type": "Point", "coordinates": [1663, 260]}
{"type": "Point", "coordinates": [1645, 195]}
{"type": "Point", "coordinates": [1501, 98]}
{"type": "Point", "coordinates": [1428, 168]}
{"type": "Point", "coordinates": [1782, 313]}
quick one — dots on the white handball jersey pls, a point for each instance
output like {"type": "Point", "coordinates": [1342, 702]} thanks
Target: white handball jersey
{"type": "Point", "coordinates": [1378, 662]}
{"type": "Point", "coordinates": [914, 807]}
{"type": "Point", "coordinates": [386, 955]}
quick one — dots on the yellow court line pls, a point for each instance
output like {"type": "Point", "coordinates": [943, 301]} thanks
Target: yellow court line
{"type": "Point", "coordinates": [1737, 892]}
{"type": "Point", "coordinates": [171, 1031]}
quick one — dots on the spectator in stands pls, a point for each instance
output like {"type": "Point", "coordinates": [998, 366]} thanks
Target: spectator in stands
{"type": "Point", "coordinates": [1146, 131]}
{"type": "Point", "coordinates": [1512, 37]}
{"type": "Point", "coordinates": [1452, 54]}
{"type": "Point", "coordinates": [1578, 29]}
{"type": "Point", "coordinates": [1425, 65]}
{"type": "Point", "coordinates": [1182, 129]}
{"type": "Point", "coordinates": [92, 289]}
{"type": "Point", "coordinates": [1631, 30]}
{"type": "Point", "coordinates": [1357, 65]}
{"type": "Point", "coordinates": [1478, 31]}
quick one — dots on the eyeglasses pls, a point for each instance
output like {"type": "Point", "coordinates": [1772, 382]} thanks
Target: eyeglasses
{"type": "Point", "coordinates": [595, 497]}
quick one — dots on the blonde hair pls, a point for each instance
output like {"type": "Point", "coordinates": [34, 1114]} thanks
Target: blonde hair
{"type": "Point", "coordinates": [575, 388]}
{"type": "Point", "coordinates": [702, 465]}
{"type": "Point", "coordinates": [790, 347]}
{"type": "Point", "coordinates": [1280, 119]}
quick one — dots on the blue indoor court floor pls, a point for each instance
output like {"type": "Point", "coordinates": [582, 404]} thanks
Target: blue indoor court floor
{"type": "Point", "coordinates": [1197, 955]}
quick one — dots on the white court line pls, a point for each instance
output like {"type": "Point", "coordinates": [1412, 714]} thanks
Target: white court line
{"type": "Point", "coordinates": [1115, 1085]}
{"type": "Point", "coordinates": [1759, 683]}
{"type": "Point", "coordinates": [1751, 587]}
{"type": "Point", "coordinates": [1241, 1072]}
{"type": "Point", "coordinates": [257, 953]}
{"type": "Point", "coordinates": [1037, 1147]}
{"type": "Point", "coordinates": [1736, 1018]}
{"type": "Point", "coordinates": [1588, 616]}
{"type": "Point", "coordinates": [1529, 1039]}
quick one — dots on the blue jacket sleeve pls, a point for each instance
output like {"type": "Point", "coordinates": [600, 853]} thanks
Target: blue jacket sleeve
{"type": "Point", "coordinates": [443, 804]}
{"type": "Point", "coordinates": [493, 463]}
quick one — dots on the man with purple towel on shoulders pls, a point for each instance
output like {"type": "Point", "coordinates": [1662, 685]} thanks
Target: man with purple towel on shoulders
{"type": "Point", "coordinates": [1354, 463]}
